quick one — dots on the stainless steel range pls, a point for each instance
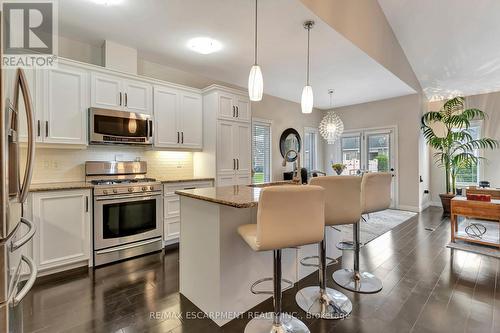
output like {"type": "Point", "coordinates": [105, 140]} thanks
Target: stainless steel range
{"type": "Point", "coordinates": [128, 209]}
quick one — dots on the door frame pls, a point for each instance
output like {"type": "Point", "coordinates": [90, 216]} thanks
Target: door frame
{"type": "Point", "coordinates": [394, 149]}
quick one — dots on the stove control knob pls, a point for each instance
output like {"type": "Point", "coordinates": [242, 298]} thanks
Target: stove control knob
{"type": "Point", "coordinates": [105, 192]}
{"type": "Point", "coordinates": [130, 189]}
{"type": "Point", "coordinates": [151, 188]}
{"type": "Point", "coordinates": [115, 190]}
{"type": "Point", "coordinates": [144, 188]}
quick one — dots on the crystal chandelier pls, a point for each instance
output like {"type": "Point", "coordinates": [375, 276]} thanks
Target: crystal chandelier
{"type": "Point", "coordinates": [331, 127]}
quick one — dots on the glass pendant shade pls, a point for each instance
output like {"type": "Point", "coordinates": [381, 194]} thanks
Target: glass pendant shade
{"type": "Point", "coordinates": [255, 84]}
{"type": "Point", "coordinates": [307, 100]}
{"type": "Point", "coordinates": [331, 127]}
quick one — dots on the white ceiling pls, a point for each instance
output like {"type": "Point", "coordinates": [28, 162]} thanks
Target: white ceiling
{"type": "Point", "coordinates": [452, 45]}
{"type": "Point", "coordinates": [159, 29]}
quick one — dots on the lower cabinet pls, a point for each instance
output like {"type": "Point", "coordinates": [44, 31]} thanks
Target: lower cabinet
{"type": "Point", "coordinates": [171, 208]}
{"type": "Point", "coordinates": [63, 220]}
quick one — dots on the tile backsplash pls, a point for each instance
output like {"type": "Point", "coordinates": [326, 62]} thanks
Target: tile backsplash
{"type": "Point", "coordinates": [61, 165]}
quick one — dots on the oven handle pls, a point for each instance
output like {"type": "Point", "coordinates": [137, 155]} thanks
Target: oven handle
{"type": "Point", "coordinates": [119, 198]}
{"type": "Point", "coordinates": [128, 246]}
{"type": "Point", "coordinates": [29, 284]}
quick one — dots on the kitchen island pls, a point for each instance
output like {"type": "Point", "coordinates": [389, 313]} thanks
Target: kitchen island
{"type": "Point", "coordinates": [217, 267]}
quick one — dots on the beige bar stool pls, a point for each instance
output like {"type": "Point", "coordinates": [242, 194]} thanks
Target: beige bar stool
{"type": "Point", "coordinates": [341, 207]}
{"type": "Point", "coordinates": [287, 216]}
{"type": "Point", "coordinates": [374, 197]}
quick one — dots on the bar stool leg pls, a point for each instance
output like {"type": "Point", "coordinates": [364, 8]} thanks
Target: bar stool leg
{"type": "Point", "coordinates": [320, 301]}
{"type": "Point", "coordinates": [276, 322]}
{"type": "Point", "coordinates": [353, 279]}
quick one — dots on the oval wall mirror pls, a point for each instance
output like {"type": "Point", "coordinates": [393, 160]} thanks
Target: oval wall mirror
{"type": "Point", "coordinates": [290, 140]}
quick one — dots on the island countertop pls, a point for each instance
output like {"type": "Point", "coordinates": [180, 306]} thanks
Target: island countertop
{"type": "Point", "coordinates": [238, 196]}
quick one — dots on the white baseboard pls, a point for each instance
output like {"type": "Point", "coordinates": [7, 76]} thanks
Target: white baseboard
{"type": "Point", "coordinates": [409, 208]}
{"type": "Point", "coordinates": [435, 203]}
{"type": "Point", "coordinates": [170, 242]}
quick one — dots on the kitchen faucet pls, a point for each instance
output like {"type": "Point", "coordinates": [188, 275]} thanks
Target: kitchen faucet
{"type": "Point", "coordinates": [296, 165]}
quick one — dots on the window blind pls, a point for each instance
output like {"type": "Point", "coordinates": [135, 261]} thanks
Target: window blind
{"type": "Point", "coordinates": [261, 155]}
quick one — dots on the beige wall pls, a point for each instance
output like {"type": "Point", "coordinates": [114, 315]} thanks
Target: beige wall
{"type": "Point", "coordinates": [363, 22]}
{"type": "Point", "coordinates": [403, 112]}
{"type": "Point", "coordinates": [489, 103]}
{"type": "Point", "coordinates": [285, 114]}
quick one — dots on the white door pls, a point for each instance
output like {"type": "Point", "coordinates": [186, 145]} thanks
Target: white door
{"type": "Point", "coordinates": [243, 141]}
{"type": "Point", "coordinates": [226, 142]}
{"type": "Point", "coordinates": [63, 227]}
{"type": "Point", "coordinates": [371, 151]}
{"type": "Point", "coordinates": [242, 108]}
{"type": "Point", "coordinates": [226, 106]}
{"type": "Point", "coordinates": [106, 92]}
{"type": "Point", "coordinates": [137, 96]}
{"type": "Point", "coordinates": [65, 102]}
{"type": "Point", "coordinates": [166, 105]}
{"type": "Point", "coordinates": [191, 120]}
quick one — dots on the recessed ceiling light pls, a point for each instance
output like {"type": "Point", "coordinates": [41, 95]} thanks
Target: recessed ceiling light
{"type": "Point", "coordinates": [204, 45]}
{"type": "Point", "coordinates": [108, 2]}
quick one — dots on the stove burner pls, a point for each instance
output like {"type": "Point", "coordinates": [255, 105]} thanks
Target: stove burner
{"type": "Point", "coordinates": [121, 181]}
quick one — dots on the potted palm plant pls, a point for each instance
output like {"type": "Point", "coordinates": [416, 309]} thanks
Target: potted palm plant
{"type": "Point", "coordinates": [448, 132]}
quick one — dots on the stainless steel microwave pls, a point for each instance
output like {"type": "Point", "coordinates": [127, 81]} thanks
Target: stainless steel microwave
{"type": "Point", "coordinates": [119, 127]}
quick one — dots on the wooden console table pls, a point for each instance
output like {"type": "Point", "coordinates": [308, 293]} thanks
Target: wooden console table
{"type": "Point", "coordinates": [460, 206]}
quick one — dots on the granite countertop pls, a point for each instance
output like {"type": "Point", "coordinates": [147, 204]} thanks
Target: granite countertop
{"type": "Point", "coordinates": [55, 186]}
{"type": "Point", "coordinates": [238, 196]}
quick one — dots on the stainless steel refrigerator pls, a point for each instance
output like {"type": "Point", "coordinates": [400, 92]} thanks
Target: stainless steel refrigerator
{"type": "Point", "coordinates": [17, 270]}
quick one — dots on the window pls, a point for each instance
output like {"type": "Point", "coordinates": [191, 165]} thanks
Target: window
{"type": "Point", "coordinates": [471, 175]}
{"type": "Point", "coordinates": [351, 154]}
{"type": "Point", "coordinates": [310, 148]}
{"type": "Point", "coordinates": [261, 151]}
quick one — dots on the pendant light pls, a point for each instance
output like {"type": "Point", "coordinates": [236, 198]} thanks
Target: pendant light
{"type": "Point", "coordinates": [307, 100]}
{"type": "Point", "coordinates": [331, 127]}
{"type": "Point", "coordinates": [255, 80]}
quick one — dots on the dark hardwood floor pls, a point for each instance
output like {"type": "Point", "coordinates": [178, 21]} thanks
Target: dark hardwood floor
{"type": "Point", "coordinates": [427, 288]}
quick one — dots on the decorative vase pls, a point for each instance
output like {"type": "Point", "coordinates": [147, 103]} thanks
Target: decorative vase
{"type": "Point", "coordinates": [446, 202]}
{"type": "Point", "coordinates": [338, 171]}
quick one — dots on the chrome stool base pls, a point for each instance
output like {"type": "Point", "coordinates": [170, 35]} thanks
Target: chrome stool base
{"type": "Point", "coordinates": [331, 305]}
{"type": "Point", "coordinates": [365, 283]}
{"type": "Point", "coordinates": [264, 324]}
{"type": "Point", "coordinates": [345, 245]}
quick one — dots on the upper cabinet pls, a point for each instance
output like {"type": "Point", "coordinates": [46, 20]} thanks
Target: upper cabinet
{"type": "Point", "coordinates": [64, 101]}
{"type": "Point", "coordinates": [178, 118]}
{"type": "Point", "coordinates": [117, 93]}
{"type": "Point", "coordinates": [233, 106]}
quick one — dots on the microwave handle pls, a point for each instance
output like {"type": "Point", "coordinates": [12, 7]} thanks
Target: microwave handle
{"type": "Point", "coordinates": [150, 128]}
{"type": "Point", "coordinates": [22, 85]}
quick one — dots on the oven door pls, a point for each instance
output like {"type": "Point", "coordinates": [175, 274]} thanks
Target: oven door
{"type": "Point", "coordinates": [110, 126]}
{"type": "Point", "coordinates": [126, 218]}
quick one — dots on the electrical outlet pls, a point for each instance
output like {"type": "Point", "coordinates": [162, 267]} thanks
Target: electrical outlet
{"type": "Point", "coordinates": [46, 164]}
{"type": "Point", "coordinates": [55, 165]}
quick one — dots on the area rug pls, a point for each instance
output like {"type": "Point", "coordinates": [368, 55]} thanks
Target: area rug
{"type": "Point", "coordinates": [376, 225]}
{"type": "Point", "coordinates": [492, 235]}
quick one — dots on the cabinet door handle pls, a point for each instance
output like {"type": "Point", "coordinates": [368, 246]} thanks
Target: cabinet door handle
{"type": "Point", "coordinates": [234, 164]}
{"type": "Point", "coordinates": [178, 137]}
{"type": "Point", "coordinates": [120, 98]}
{"type": "Point", "coordinates": [237, 164]}
{"type": "Point", "coordinates": [46, 128]}
{"type": "Point", "coordinates": [38, 128]}
{"type": "Point", "coordinates": [182, 137]}
{"type": "Point", "coordinates": [234, 111]}
{"type": "Point", "coordinates": [126, 99]}
{"type": "Point", "coordinates": [86, 204]}
{"type": "Point", "coordinates": [237, 112]}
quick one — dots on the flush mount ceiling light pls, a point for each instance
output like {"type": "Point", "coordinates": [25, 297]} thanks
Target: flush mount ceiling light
{"type": "Point", "coordinates": [331, 127]}
{"type": "Point", "coordinates": [307, 100]}
{"type": "Point", "coordinates": [204, 45]}
{"type": "Point", "coordinates": [108, 2]}
{"type": "Point", "coordinates": [255, 80]}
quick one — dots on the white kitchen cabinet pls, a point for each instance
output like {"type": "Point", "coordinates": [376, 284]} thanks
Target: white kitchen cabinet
{"type": "Point", "coordinates": [178, 118]}
{"type": "Point", "coordinates": [65, 99]}
{"type": "Point", "coordinates": [63, 223]}
{"type": "Point", "coordinates": [117, 93]}
{"type": "Point", "coordinates": [233, 153]}
{"type": "Point", "coordinates": [171, 207]}
{"type": "Point", "coordinates": [233, 107]}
